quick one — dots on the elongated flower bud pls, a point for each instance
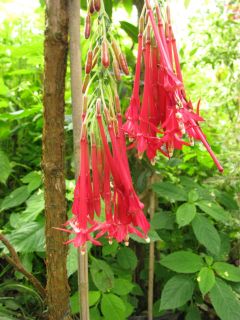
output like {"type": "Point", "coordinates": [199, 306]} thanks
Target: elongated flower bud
{"type": "Point", "coordinates": [116, 70]}
{"type": "Point", "coordinates": [148, 5]}
{"type": "Point", "coordinates": [168, 15]}
{"type": "Point", "coordinates": [141, 24]}
{"type": "Point", "coordinates": [87, 26]}
{"type": "Point", "coordinates": [85, 103]}
{"type": "Point", "coordinates": [116, 50]}
{"type": "Point", "coordinates": [98, 106]}
{"type": "Point", "coordinates": [117, 103]}
{"type": "Point", "coordinates": [85, 83]}
{"type": "Point", "coordinates": [97, 5]}
{"type": "Point", "coordinates": [123, 63]}
{"type": "Point", "coordinates": [91, 7]}
{"type": "Point", "coordinates": [88, 66]}
{"type": "Point", "coordinates": [105, 54]}
{"type": "Point", "coordinates": [95, 56]}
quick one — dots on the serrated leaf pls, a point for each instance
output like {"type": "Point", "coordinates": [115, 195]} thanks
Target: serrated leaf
{"type": "Point", "coordinates": [193, 196]}
{"type": "Point", "coordinates": [15, 198]}
{"type": "Point", "coordinates": [35, 205]}
{"type": "Point", "coordinates": [206, 234]}
{"type": "Point", "coordinates": [112, 307]}
{"type": "Point", "coordinates": [227, 271]}
{"type": "Point", "coordinates": [5, 167]}
{"type": "Point", "coordinates": [127, 258]}
{"type": "Point", "coordinates": [28, 238]}
{"type": "Point", "coordinates": [102, 275]}
{"type": "Point", "coordinates": [185, 214]}
{"type": "Point", "coordinates": [176, 292]}
{"type": "Point", "coordinates": [170, 191]}
{"type": "Point", "coordinates": [162, 220]}
{"type": "Point", "coordinates": [193, 314]}
{"type": "Point", "coordinates": [33, 179]}
{"type": "Point", "coordinates": [182, 262]}
{"type": "Point", "coordinates": [130, 29]}
{"type": "Point", "coordinates": [122, 287]}
{"type": "Point", "coordinates": [206, 280]}
{"type": "Point", "coordinates": [213, 210]}
{"type": "Point", "coordinates": [224, 301]}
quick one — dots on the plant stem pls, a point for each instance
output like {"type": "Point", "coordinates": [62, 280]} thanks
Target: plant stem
{"type": "Point", "coordinates": [152, 208]}
{"type": "Point", "coordinates": [76, 88]}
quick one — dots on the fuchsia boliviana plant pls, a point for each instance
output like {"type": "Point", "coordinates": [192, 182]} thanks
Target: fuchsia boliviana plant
{"type": "Point", "coordinates": [160, 119]}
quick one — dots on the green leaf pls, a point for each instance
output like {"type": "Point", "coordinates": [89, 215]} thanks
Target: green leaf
{"type": "Point", "coordinates": [35, 205]}
{"type": "Point", "coordinates": [162, 220]}
{"type": "Point", "coordinates": [224, 301]}
{"type": "Point", "coordinates": [193, 314]}
{"type": "Point", "coordinates": [128, 5]}
{"type": "Point", "coordinates": [93, 298]}
{"type": "Point", "coordinates": [15, 198]}
{"type": "Point", "coordinates": [33, 179]}
{"type": "Point", "coordinates": [193, 196]}
{"type": "Point", "coordinates": [213, 210]}
{"type": "Point", "coordinates": [95, 313]}
{"type": "Point", "coordinates": [112, 307]}
{"type": "Point", "coordinates": [206, 280]}
{"type": "Point", "coordinates": [185, 214]}
{"type": "Point", "coordinates": [110, 249]}
{"type": "Point", "coordinates": [170, 191]}
{"type": "Point", "coordinates": [130, 29]}
{"type": "Point", "coordinates": [72, 262]}
{"type": "Point", "coordinates": [108, 7]}
{"type": "Point", "coordinates": [5, 167]}
{"type": "Point", "coordinates": [227, 271]}
{"type": "Point", "coordinates": [127, 259]}
{"type": "Point", "coordinates": [182, 262]}
{"type": "Point", "coordinates": [206, 234]}
{"type": "Point", "coordinates": [28, 238]}
{"type": "Point", "coordinates": [176, 292]}
{"type": "Point", "coordinates": [102, 275]}
{"type": "Point", "coordinates": [122, 287]}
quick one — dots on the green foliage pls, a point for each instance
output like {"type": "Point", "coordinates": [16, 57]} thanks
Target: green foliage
{"type": "Point", "coordinates": [176, 292]}
{"type": "Point", "coordinates": [225, 301]}
{"type": "Point", "coordinates": [183, 262]}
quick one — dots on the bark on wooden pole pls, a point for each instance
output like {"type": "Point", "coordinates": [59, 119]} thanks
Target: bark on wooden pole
{"type": "Point", "coordinates": [55, 57]}
{"type": "Point", "coordinates": [76, 88]}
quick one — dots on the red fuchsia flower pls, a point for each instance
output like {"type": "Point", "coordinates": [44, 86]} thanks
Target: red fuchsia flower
{"type": "Point", "coordinates": [132, 113]}
{"type": "Point", "coordinates": [127, 207]}
{"type": "Point", "coordinates": [166, 118]}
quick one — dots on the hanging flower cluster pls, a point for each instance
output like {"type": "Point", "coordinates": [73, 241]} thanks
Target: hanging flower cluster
{"type": "Point", "coordinates": [105, 183]}
{"type": "Point", "coordinates": [164, 119]}
{"type": "Point", "coordinates": [161, 119]}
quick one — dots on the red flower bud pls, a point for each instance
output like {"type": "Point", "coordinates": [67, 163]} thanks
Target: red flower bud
{"type": "Point", "coordinates": [85, 83]}
{"type": "Point", "coordinates": [116, 70]}
{"type": "Point", "coordinates": [87, 26]}
{"type": "Point", "coordinates": [88, 66]}
{"type": "Point", "coordinates": [91, 7]}
{"type": "Point", "coordinates": [97, 5]}
{"type": "Point", "coordinates": [105, 54]}
{"type": "Point", "coordinates": [123, 63]}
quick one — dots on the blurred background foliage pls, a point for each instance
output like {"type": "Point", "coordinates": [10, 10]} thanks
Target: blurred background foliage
{"type": "Point", "coordinates": [198, 209]}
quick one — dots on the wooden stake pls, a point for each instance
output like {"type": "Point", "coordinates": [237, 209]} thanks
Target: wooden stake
{"type": "Point", "coordinates": [76, 89]}
{"type": "Point", "coordinates": [152, 208]}
{"type": "Point", "coordinates": [53, 163]}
